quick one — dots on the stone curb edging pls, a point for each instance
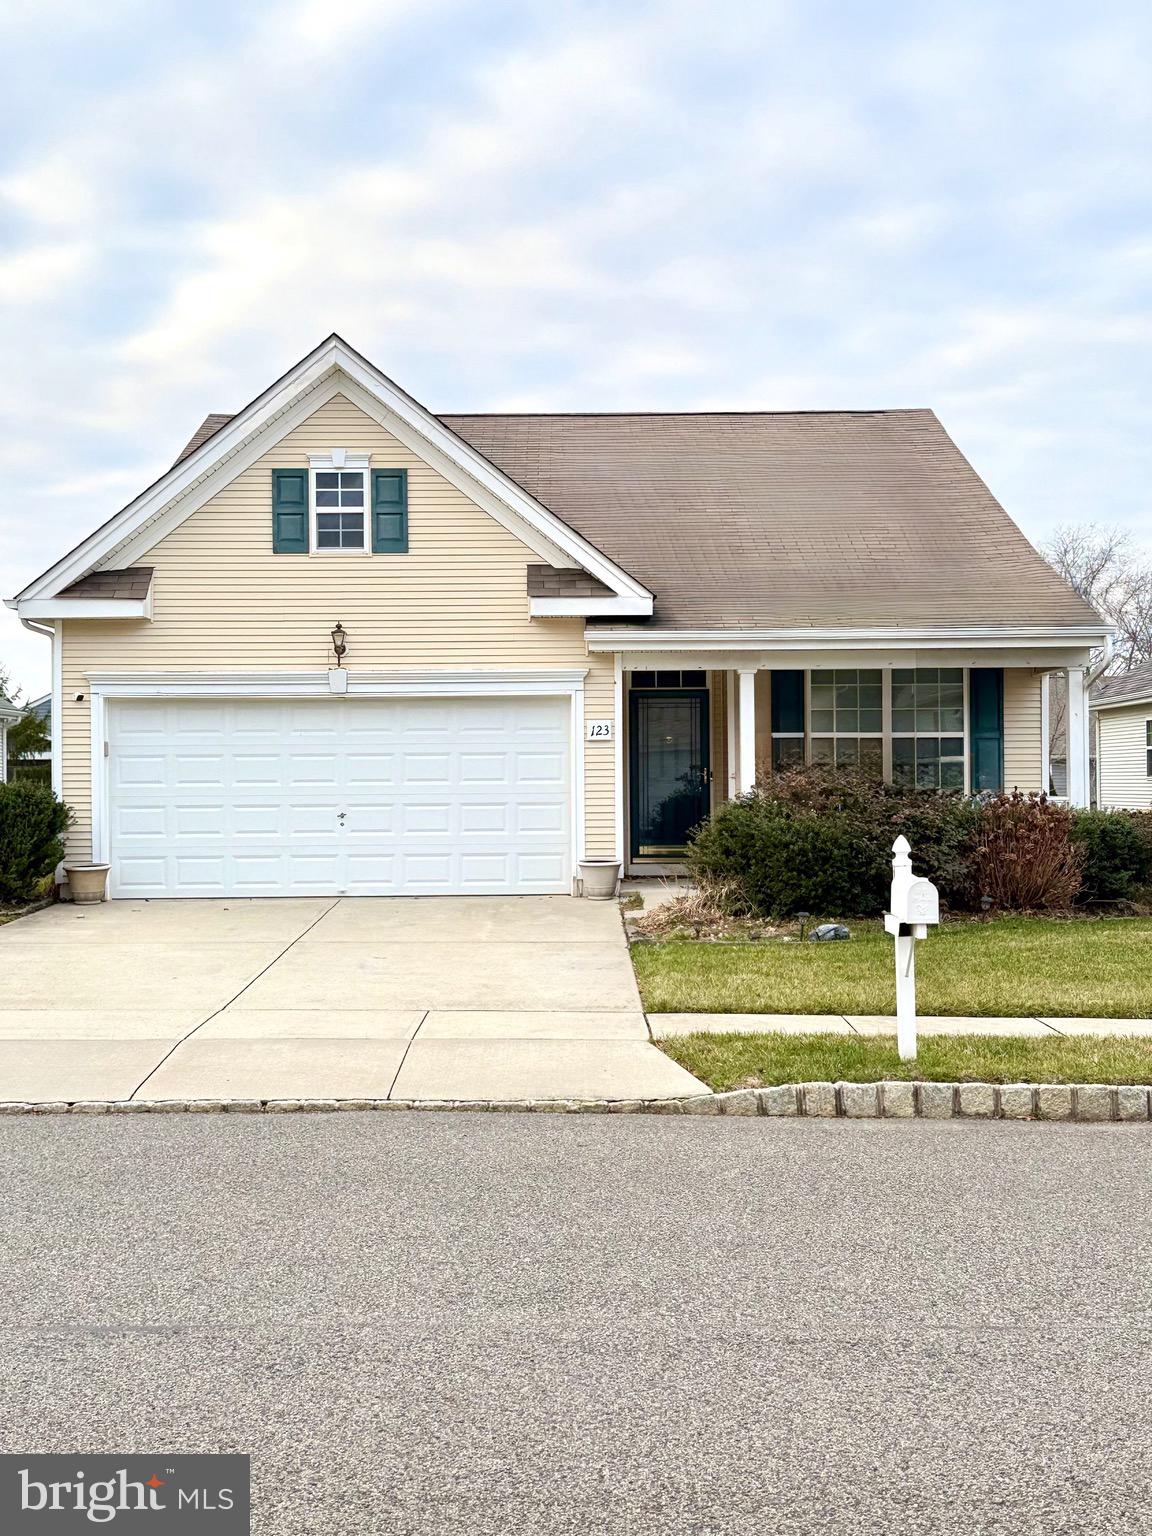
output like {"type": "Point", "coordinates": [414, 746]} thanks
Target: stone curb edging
{"type": "Point", "coordinates": [1091, 1102]}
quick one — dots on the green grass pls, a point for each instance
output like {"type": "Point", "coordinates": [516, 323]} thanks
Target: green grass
{"type": "Point", "coordinates": [728, 1061]}
{"type": "Point", "coordinates": [1011, 967]}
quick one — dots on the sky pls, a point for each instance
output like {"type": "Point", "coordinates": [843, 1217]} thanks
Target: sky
{"type": "Point", "coordinates": [744, 204]}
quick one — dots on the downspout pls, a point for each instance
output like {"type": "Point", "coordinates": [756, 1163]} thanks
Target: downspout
{"type": "Point", "coordinates": [1094, 724]}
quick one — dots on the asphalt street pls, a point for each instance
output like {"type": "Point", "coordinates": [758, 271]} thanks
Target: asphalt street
{"type": "Point", "coordinates": [473, 1324]}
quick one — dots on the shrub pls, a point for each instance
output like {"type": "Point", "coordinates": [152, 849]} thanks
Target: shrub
{"type": "Point", "coordinates": [819, 841]}
{"type": "Point", "coordinates": [32, 824]}
{"type": "Point", "coordinates": [1116, 853]}
{"type": "Point", "coordinates": [1024, 859]}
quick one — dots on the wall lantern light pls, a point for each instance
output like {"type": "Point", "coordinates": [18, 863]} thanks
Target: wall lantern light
{"type": "Point", "coordinates": [339, 642]}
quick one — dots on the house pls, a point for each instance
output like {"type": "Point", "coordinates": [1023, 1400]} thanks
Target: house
{"type": "Point", "coordinates": [346, 645]}
{"type": "Point", "coordinates": [1121, 710]}
{"type": "Point", "coordinates": [9, 714]}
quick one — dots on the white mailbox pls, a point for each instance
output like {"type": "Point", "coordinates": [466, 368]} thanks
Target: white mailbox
{"type": "Point", "coordinates": [914, 906]}
{"type": "Point", "coordinates": [913, 900]}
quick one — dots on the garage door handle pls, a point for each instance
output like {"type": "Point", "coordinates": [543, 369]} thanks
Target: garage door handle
{"type": "Point", "coordinates": [340, 815]}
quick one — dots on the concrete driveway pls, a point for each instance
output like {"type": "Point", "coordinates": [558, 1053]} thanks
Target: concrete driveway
{"type": "Point", "coordinates": [408, 998]}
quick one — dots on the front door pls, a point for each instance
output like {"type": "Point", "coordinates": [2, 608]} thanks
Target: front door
{"type": "Point", "coordinates": [668, 734]}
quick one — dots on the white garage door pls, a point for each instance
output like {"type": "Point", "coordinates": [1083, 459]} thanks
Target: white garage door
{"type": "Point", "coordinates": [364, 796]}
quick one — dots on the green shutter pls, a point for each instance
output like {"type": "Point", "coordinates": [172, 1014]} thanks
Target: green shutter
{"type": "Point", "coordinates": [787, 702]}
{"type": "Point", "coordinates": [986, 727]}
{"type": "Point", "coordinates": [390, 511]}
{"type": "Point", "coordinates": [290, 511]}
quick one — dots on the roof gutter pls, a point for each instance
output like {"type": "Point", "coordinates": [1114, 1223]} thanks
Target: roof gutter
{"type": "Point", "coordinates": [1009, 636]}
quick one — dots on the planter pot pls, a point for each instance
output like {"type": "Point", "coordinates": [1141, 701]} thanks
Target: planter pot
{"type": "Point", "coordinates": [599, 878]}
{"type": "Point", "coordinates": [87, 882]}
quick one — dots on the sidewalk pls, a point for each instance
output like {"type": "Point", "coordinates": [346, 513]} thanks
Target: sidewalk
{"type": "Point", "coordinates": [664, 1025]}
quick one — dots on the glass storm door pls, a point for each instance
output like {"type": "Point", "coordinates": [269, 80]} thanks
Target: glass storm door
{"type": "Point", "coordinates": [668, 734]}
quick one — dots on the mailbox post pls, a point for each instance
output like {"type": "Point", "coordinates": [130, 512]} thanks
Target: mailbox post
{"type": "Point", "coordinates": [914, 905]}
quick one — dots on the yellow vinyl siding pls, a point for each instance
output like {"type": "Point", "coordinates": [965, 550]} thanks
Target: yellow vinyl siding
{"type": "Point", "coordinates": [1122, 758]}
{"type": "Point", "coordinates": [223, 601]}
{"type": "Point", "coordinates": [1023, 730]}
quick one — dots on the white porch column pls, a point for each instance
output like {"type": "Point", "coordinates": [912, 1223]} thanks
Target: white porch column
{"type": "Point", "coordinates": [732, 786]}
{"type": "Point", "coordinates": [747, 719]}
{"type": "Point", "coordinates": [1076, 736]}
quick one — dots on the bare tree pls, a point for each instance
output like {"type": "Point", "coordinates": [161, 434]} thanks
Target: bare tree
{"type": "Point", "coordinates": [1108, 569]}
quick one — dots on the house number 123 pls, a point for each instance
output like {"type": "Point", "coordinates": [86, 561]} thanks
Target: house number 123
{"type": "Point", "coordinates": [599, 730]}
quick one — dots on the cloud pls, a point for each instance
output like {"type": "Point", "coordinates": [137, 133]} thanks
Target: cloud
{"type": "Point", "coordinates": [636, 205]}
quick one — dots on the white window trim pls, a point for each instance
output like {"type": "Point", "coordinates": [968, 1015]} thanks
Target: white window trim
{"type": "Point", "coordinates": [337, 459]}
{"type": "Point", "coordinates": [886, 733]}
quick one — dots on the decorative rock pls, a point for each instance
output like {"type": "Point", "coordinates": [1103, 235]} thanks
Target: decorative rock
{"type": "Point", "coordinates": [1054, 1101]}
{"type": "Point", "coordinates": [499, 1106]}
{"type": "Point", "coordinates": [663, 1107]}
{"type": "Point", "coordinates": [703, 1104]}
{"type": "Point", "coordinates": [977, 1100]}
{"type": "Point", "coordinates": [144, 1107]}
{"type": "Point", "coordinates": [1016, 1101]}
{"type": "Point", "coordinates": [49, 1108]}
{"type": "Point", "coordinates": [15, 1107]}
{"type": "Point", "coordinates": [823, 933]}
{"type": "Point", "coordinates": [781, 1100]}
{"type": "Point", "coordinates": [624, 1106]}
{"type": "Point", "coordinates": [899, 1100]}
{"type": "Point", "coordinates": [92, 1107]}
{"type": "Point", "coordinates": [583, 1106]}
{"type": "Point", "coordinates": [539, 1106]}
{"type": "Point", "coordinates": [250, 1106]}
{"type": "Point", "coordinates": [400, 1104]}
{"type": "Point", "coordinates": [742, 1101]}
{"type": "Point", "coordinates": [354, 1104]}
{"type": "Point", "coordinates": [283, 1106]}
{"type": "Point", "coordinates": [1131, 1104]}
{"type": "Point", "coordinates": [860, 1101]}
{"type": "Point", "coordinates": [819, 1100]}
{"type": "Point", "coordinates": [937, 1100]}
{"type": "Point", "coordinates": [1093, 1101]}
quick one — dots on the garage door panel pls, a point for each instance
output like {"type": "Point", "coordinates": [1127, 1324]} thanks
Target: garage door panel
{"type": "Point", "coordinates": [438, 796]}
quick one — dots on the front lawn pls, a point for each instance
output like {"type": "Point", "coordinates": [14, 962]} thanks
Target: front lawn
{"type": "Point", "coordinates": [1012, 967]}
{"type": "Point", "coordinates": [730, 1061]}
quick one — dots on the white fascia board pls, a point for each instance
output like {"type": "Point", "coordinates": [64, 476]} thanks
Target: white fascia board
{"type": "Point", "coordinates": [1006, 637]}
{"type": "Point", "coordinates": [9, 711]}
{"type": "Point", "coordinates": [85, 608]}
{"type": "Point", "coordinates": [1132, 702]}
{"type": "Point", "coordinates": [331, 369]}
{"type": "Point", "coordinates": [590, 607]}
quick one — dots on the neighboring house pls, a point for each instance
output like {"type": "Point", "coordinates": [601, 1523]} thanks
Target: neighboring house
{"type": "Point", "coordinates": [9, 714]}
{"type": "Point", "coordinates": [564, 637]}
{"type": "Point", "coordinates": [1122, 720]}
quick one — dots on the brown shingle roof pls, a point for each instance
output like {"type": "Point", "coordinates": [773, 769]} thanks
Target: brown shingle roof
{"type": "Point", "coordinates": [207, 428]}
{"type": "Point", "coordinates": [552, 581]}
{"type": "Point", "coordinates": [753, 520]}
{"type": "Point", "coordinates": [761, 519]}
{"type": "Point", "coordinates": [1125, 687]}
{"type": "Point", "coordinates": [133, 581]}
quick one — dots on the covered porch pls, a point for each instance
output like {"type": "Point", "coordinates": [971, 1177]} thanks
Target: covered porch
{"type": "Point", "coordinates": [700, 725]}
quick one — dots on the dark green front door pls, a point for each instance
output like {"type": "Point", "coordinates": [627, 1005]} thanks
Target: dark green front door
{"type": "Point", "coordinates": [668, 735]}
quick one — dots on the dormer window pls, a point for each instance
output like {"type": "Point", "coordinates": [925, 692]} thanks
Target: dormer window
{"type": "Point", "coordinates": [339, 496]}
